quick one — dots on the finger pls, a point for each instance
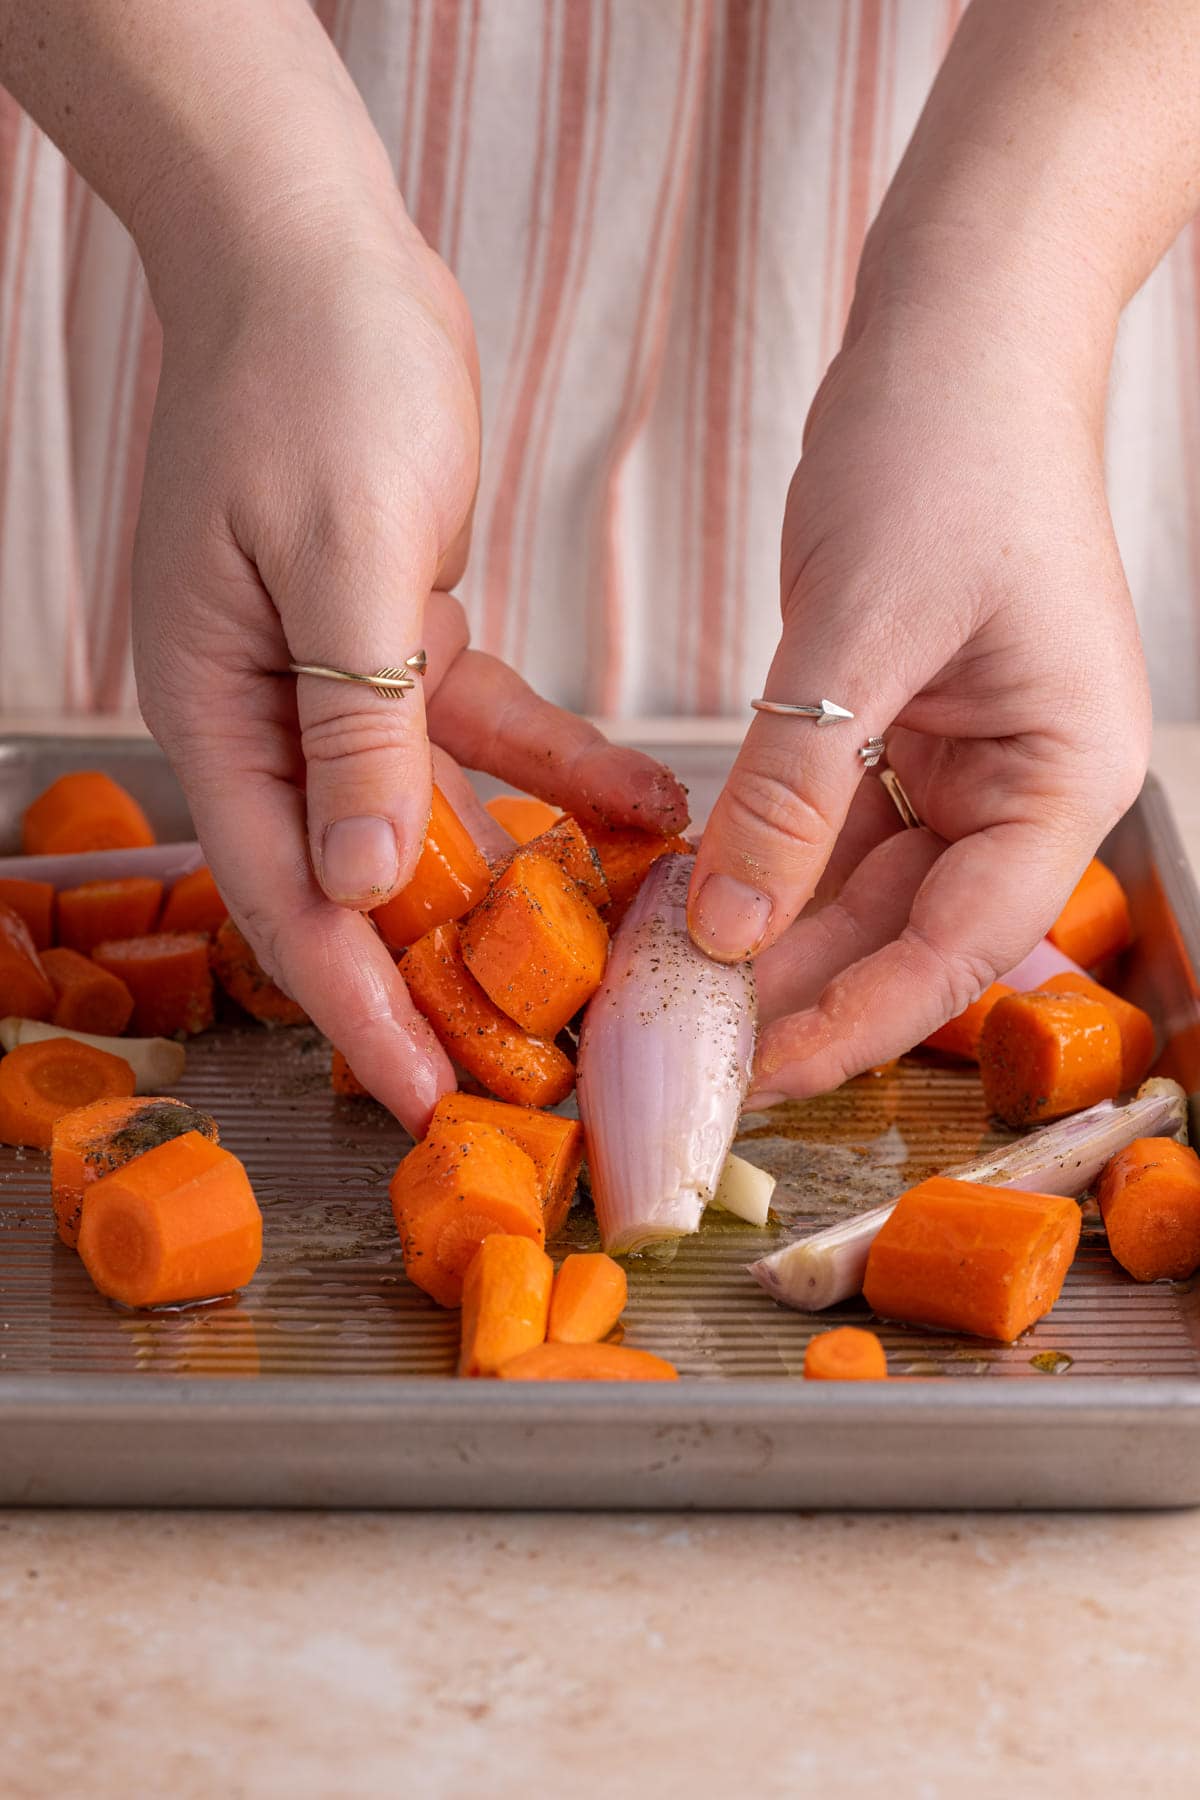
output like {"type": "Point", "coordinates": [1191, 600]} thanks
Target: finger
{"type": "Point", "coordinates": [984, 903]}
{"type": "Point", "coordinates": [870, 910]}
{"type": "Point", "coordinates": [872, 818]}
{"type": "Point", "coordinates": [488, 718]}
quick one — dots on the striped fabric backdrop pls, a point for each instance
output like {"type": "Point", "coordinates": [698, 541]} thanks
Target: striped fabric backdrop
{"type": "Point", "coordinates": [655, 208]}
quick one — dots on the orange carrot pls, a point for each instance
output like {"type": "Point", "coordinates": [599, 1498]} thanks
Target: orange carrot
{"type": "Point", "coordinates": [522, 816]}
{"type": "Point", "coordinates": [553, 1144]}
{"type": "Point", "coordinates": [587, 1362]}
{"type": "Point", "coordinates": [86, 997]}
{"type": "Point", "coordinates": [40, 1082]}
{"type": "Point", "coordinates": [1135, 1026]}
{"type": "Point", "coordinates": [589, 1297]}
{"type": "Point", "coordinates": [344, 1081]}
{"type": "Point", "coordinates": [101, 910]}
{"type": "Point", "coordinates": [168, 975]}
{"type": "Point", "coordinates": [86, 810]}
{"type": "Point", "coordinates": [565, 845]}
{"type": "Point", "coordinates": [92, 1141]}
{"type": "Point", "coordinates": [536, 945]}
{"type": "Point", "coordinates": [32, 901]}
{"type": "Point", "coordinates": [847, 1354]}
{"type": "Point", "coordinates": [25, 989]}
{"type": "Point", "coordinates": [1149, 1198]}
{"type": "Point", "coordinates": [450, 877]}
{"type": "Point", "coordinates": [960, 1036]}
{"type": "Point", "coordinates": [967, 1257]}
{"type": "Point", "coordinates": [625, 855]}
{"type": "Point", "coordinates": [473, 1030]}
{"type": "Point", "coordinates": [1095, 922]}
{"type": "Point", "coordinates": [245, 980]}
{"type": "Point", "coordinates": [1042, 1056]}
{"type": "Point", "coordinates": [505, 1300]}
{"type": "Point", "coordinates": [452, 1191]}
{"type": "Point", "coordinates": [179, 1222]}
{"type": "Point", "coordinates": [194, 904]}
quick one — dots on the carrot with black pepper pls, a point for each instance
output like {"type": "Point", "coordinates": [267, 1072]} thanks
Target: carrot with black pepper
{"type": "Point", "coordinates": [458, 1186]}
{"type": "Point", "coordinates": [168, 974]}
{"type": "Point", "coordinates": [522, 816]}
{"type": "Point", "coordinates": [553, 1144]}
{"type": "Point", "coordinates": [1043, 1055]}
{"type": "Point", "coordinates": [960, 1036]}
{"type": "Point", "coordinates": [451, 876]}
{"type": "Point", "coordinates": [1135, 1026]}
{"type": "Point", "coordinates": [245, 980]}
{"type": "Point", "coordinates": [536, 945]}
{"type": "Point", "coordinates": [92, 1141]}
{"type": "Point", "coordinates": [626, 857]}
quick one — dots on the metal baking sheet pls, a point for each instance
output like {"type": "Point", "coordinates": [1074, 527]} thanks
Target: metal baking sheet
{"type": "Point", "coordinates": [329, 1382]}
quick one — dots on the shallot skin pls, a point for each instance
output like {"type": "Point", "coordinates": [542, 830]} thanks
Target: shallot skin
{"type": "Point", "coordinates": [664, 1063]}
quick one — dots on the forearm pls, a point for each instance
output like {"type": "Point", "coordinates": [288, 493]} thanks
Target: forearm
{"type": "Point", "coordinates": [212, 130]}
{"type": "Point", "coordinates": [1057, 158]}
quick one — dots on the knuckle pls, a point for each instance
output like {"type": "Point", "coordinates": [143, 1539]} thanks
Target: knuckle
{"type": "Point", "coordinates": [761, 802]}
{"type": "Point", "coordinates": [351, 736]}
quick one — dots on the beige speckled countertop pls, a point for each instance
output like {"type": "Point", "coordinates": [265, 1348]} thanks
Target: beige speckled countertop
{"type": "Point", "coordinates": [931, 1657]}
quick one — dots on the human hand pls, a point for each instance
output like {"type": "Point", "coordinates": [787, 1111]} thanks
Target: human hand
{"type": "Point", "coordinates": [949, 572]}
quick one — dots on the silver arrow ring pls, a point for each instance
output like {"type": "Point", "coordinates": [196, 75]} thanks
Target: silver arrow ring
{"type": "Point", "coordinates": [825, 712]}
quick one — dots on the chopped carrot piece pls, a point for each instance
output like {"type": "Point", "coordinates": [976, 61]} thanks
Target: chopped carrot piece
{"type": "Point", "coordinates": [472, 1029]}
{"type": "Point", "coordinates": [194, 904]}
{"type": "Point", "coordinates": [1095, 922]}
{"type": "Point", "coordinates": [1042, 1056]}
{"type": "Point", "coordinates": [25, 988]}
{"type": "Point", "coordinates": [587, 1362]}
{"type": "Point", "coordinates": [847, 1354]}
{"type": "Point", "coordinates": [967, 1257]}
{"type": "Point", "coordinates": [505, 1300]}
{"type": "Point", "coordinates": [245, 980]}
{"type": "Point", "coordinates": [554, 1144]}
{"type": "Point", "coordinates": [86, 997]}
{"type": "Point", "coordinates": [94, 1140]}
{"type": "Point", "coordinates": [1149, 1198]}
{"type": "Point", "coordinates": [565, 845]}
{"type": "Point", "coordinates": [450, 878]}
{"type": "Point", "coordinates": [454, 1189]}
{"type": "Point", "coordinates": [40, 1082]}
{"type": "Point", "coordinates": [168, 975]}
{"type": "Point", "coordinates": [180, 1222]}
{"type": "Point", "coordinates": [536, 945]}
{"type": "Point", "coordinates": [522, 816]}
{"type": "Point", "coordinates": [960, 1036]}
{"type": "Point", "coordinates": [32, 901]}
{"type": "Point", "coordinates": [86, 810]}
{"type": "Point", "coordinates": [1135, 1026]}
{"type": "Point", "coordinates": [625, 856]}
{"type": "Point", "coordinates": [102, 910]}
{"type": "Point", "coordinates": [589, 1297]}
{"type": "Point", "coordinates": [344, 1081]}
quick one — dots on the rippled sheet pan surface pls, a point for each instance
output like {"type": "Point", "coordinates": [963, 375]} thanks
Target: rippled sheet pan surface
{"type": "Point", "coordinates": [329, 1381]}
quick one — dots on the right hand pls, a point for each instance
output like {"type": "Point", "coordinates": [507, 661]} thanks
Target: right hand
{"type": "Point", "coordinates": [308, 497]}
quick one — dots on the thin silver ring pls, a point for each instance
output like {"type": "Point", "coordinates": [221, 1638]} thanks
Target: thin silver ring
{"type": "Point", "coordinates": [825, 712]}
{"type": "Point", "coordinates": [389, 684]}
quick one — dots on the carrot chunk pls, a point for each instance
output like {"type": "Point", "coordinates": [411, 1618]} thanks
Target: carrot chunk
{"type": "Point", "coordinates": [565, 846]}
{"type": "Point", "coordinates": [168, 975]}
{"type": "Point", "coordinates": [452, 1191]}
{"type": "Point", "coordinates": [25, 988]}
{"type": "Point", "coordinates": [505, 1300]}
{"type": "Point", "coordinates": [587, 1362]}
{"type": "Point", "coordinates": [32, 901]}
{"type": "Point", "coordinates": [589, 1297]}
{"type": "Point", "coordinates": [847, 1354]}
{"type": "Point", "coordinates": [1149, 1198]}
{"type": "Point", "coordinates": [1095, 922]}
{"type": "Point", "coordinates": [554, 1145]}
{"type": "Point", "coordinates": [522, 816]}
{"type": "Point", "coordinates": [40, 1082]}
{"type": "Point", "coordinates": [1135, 1026]}
{"type": "Point", "coordinates": [86, 997]}
{"type": "Point", "coordinates": [344, 1081]}
{"type": "Point", "coordinates": [245, 980]}
{"type": "Point", "coordinates": [86, 810]}
{"type": "Point", "coordinates": [1042, 1056]}
{"type": "Point", "coordinates": [179, 1222]}
{"type": "Point", "coordinates": [960, 1036]}
{"type": "Point", "coordinates": [625, 856]}
{"type": "Point", "coordinates": [194, 904]}
{"type": "Point", "coordinates": [536, 945]}
{"type": "Point", "coordinates": [92, 1141]}
{"type": "Point", "coordinates": [473, 1030]}
{"type": "Point", "coordinates": [967, 1257]}
{"type": "Point", "coordinates": [101, 910]}
{"type": "Point", "coordinates": [450, 878]}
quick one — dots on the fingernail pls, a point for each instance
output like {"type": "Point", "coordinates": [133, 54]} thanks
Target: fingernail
{"type": "Point", "coordinates": [729, 920]}
{"type": "Point", "coordinates": [359, 859]}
